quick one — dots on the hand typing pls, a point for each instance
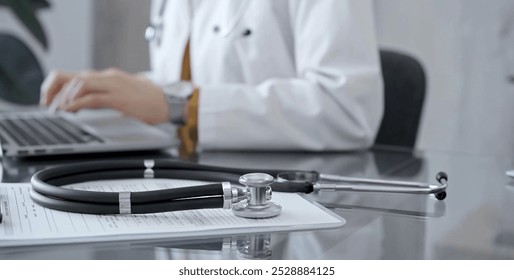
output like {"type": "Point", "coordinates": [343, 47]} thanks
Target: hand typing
{"type": "Point", "coordinates": [133, 95]}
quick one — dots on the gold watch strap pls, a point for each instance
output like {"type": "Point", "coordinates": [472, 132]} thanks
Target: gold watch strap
{"type": "Point", "coordinates": [188, 133]}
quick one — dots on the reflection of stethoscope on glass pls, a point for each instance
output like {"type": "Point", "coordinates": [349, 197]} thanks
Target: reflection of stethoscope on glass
{"type": "Point", "coordinates": [250, 247]}
{"type": "Point", "coordinates": [251, 201]}
{"type": "Point", "coordinates": [154, 31]}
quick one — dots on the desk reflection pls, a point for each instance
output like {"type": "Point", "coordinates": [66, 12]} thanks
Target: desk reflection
{"type": "Point", "coordinates": [379, 226]}
{"type": "Point", "coordinates": [249, 247]}
{"type": "Point", "coordinates": [372, 229]}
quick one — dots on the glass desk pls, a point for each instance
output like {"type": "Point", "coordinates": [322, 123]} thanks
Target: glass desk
{"type": "Point", "coordinates": [474, 222]}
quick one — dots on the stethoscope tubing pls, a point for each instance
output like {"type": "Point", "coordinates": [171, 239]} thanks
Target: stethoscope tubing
{"type": "Point", "coordinates": [161, 168]}
{"type": "Point", "coordinates": [126, 169]}
{"type": "Point", "coordinates": [136, 208]}
{"type": "Point", "coordinates": [47, 190]}
{"type": "Point", "coordinates": [47, 185]}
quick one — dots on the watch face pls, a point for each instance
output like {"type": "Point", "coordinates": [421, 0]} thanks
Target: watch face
{"type": "Point", "coordinates": [179, 89]}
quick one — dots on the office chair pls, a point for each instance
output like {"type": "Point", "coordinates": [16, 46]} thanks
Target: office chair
{"type": "Point", "coordinates": [21, 74]}
{"type": "Point", "coordinates": [404, 89]}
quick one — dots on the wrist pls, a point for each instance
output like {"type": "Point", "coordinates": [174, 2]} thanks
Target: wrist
{"type": "Point", "coordinates": [177, 96]}
{"type": "Point", "coordinates": [185, 116]}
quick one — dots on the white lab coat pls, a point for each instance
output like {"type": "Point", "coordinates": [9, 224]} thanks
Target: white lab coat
{"type": "Point", "coordinates": [306, 78]}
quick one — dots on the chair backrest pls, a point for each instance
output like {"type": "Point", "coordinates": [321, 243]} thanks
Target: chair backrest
{"type": "Point", "coordinates": [21, 74]}
{"type": "Point", "coordinates": [404, 89]}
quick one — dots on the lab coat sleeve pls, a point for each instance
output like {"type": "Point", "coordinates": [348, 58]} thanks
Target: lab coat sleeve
{"type": "Point", "coordinates": [335, 102]}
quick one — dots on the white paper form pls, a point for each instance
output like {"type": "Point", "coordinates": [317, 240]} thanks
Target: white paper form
{"type": "Point", "coordinates": [26, 223]}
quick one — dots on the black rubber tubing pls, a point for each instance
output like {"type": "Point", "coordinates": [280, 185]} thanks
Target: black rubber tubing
{"type": "Point", "coordinates": [46, 181]}
{"type": "Point", "coordinates": [47, 192]}
{"type": "Point", "coordinates": [103, 209]}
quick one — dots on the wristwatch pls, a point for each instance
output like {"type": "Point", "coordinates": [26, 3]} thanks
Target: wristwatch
{"type": "Point", "coordinates": [177, 95]}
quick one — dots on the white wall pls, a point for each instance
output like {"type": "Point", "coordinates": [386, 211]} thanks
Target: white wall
{"type": "Point", "coordinates": [119, 28]}
{"type": "Point", "coordinates": [68, 26]}
{"type": "Point", "coordinates": [467, 47]}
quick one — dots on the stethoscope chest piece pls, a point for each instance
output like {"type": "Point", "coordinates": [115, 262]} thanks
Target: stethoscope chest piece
{"type": "Point", "coordinates": [257, 205]}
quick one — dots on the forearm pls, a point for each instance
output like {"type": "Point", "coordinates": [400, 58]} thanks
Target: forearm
{"type": "Point", "coordinates": [292, 114]}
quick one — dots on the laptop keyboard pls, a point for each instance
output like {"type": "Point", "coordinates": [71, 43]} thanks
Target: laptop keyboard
{"type": "Point", "coordinates": [43, 130]}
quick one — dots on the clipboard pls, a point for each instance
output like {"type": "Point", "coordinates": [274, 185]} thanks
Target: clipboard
{"type": "Point", "coordinates": [26, 223]}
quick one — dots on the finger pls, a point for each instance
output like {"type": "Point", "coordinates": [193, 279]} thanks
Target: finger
{"type": "Point", "coordinates": [95, 82]}
{"type": "Point", "coordinates": [65, 95]}
{"type": "Point", "coordinates": [71, 91]}
{"type": "Point", "coordinates": [89, 101]}
{"type": "Point", "coordinates": [59, 99]}
{"type": "Point", "coordinates": [52, 84]}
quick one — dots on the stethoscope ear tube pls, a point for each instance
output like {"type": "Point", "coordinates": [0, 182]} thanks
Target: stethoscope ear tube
{"type": "Point", "coordinates": [441, 177]}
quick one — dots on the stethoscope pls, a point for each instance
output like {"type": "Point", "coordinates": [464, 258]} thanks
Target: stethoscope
{"type": "Point", "coordinates": [154, 31]}
{"type": "Point", "coordinates": [250, 201]}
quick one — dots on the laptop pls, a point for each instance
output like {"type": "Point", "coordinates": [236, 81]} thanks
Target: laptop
{"type": "Point", "coordinates": [42, 133]}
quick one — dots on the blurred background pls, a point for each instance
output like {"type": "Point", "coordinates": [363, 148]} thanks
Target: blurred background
{"type": "Point", "coordinates": [465, 46]}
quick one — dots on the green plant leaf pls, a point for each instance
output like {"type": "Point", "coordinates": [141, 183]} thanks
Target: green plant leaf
{"type": "Point", "coordinates": [35, 4]}
{"type": "Point", "coordinates": [10, 89]}
{"type": "Point", "coordinates": [25, 14]}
